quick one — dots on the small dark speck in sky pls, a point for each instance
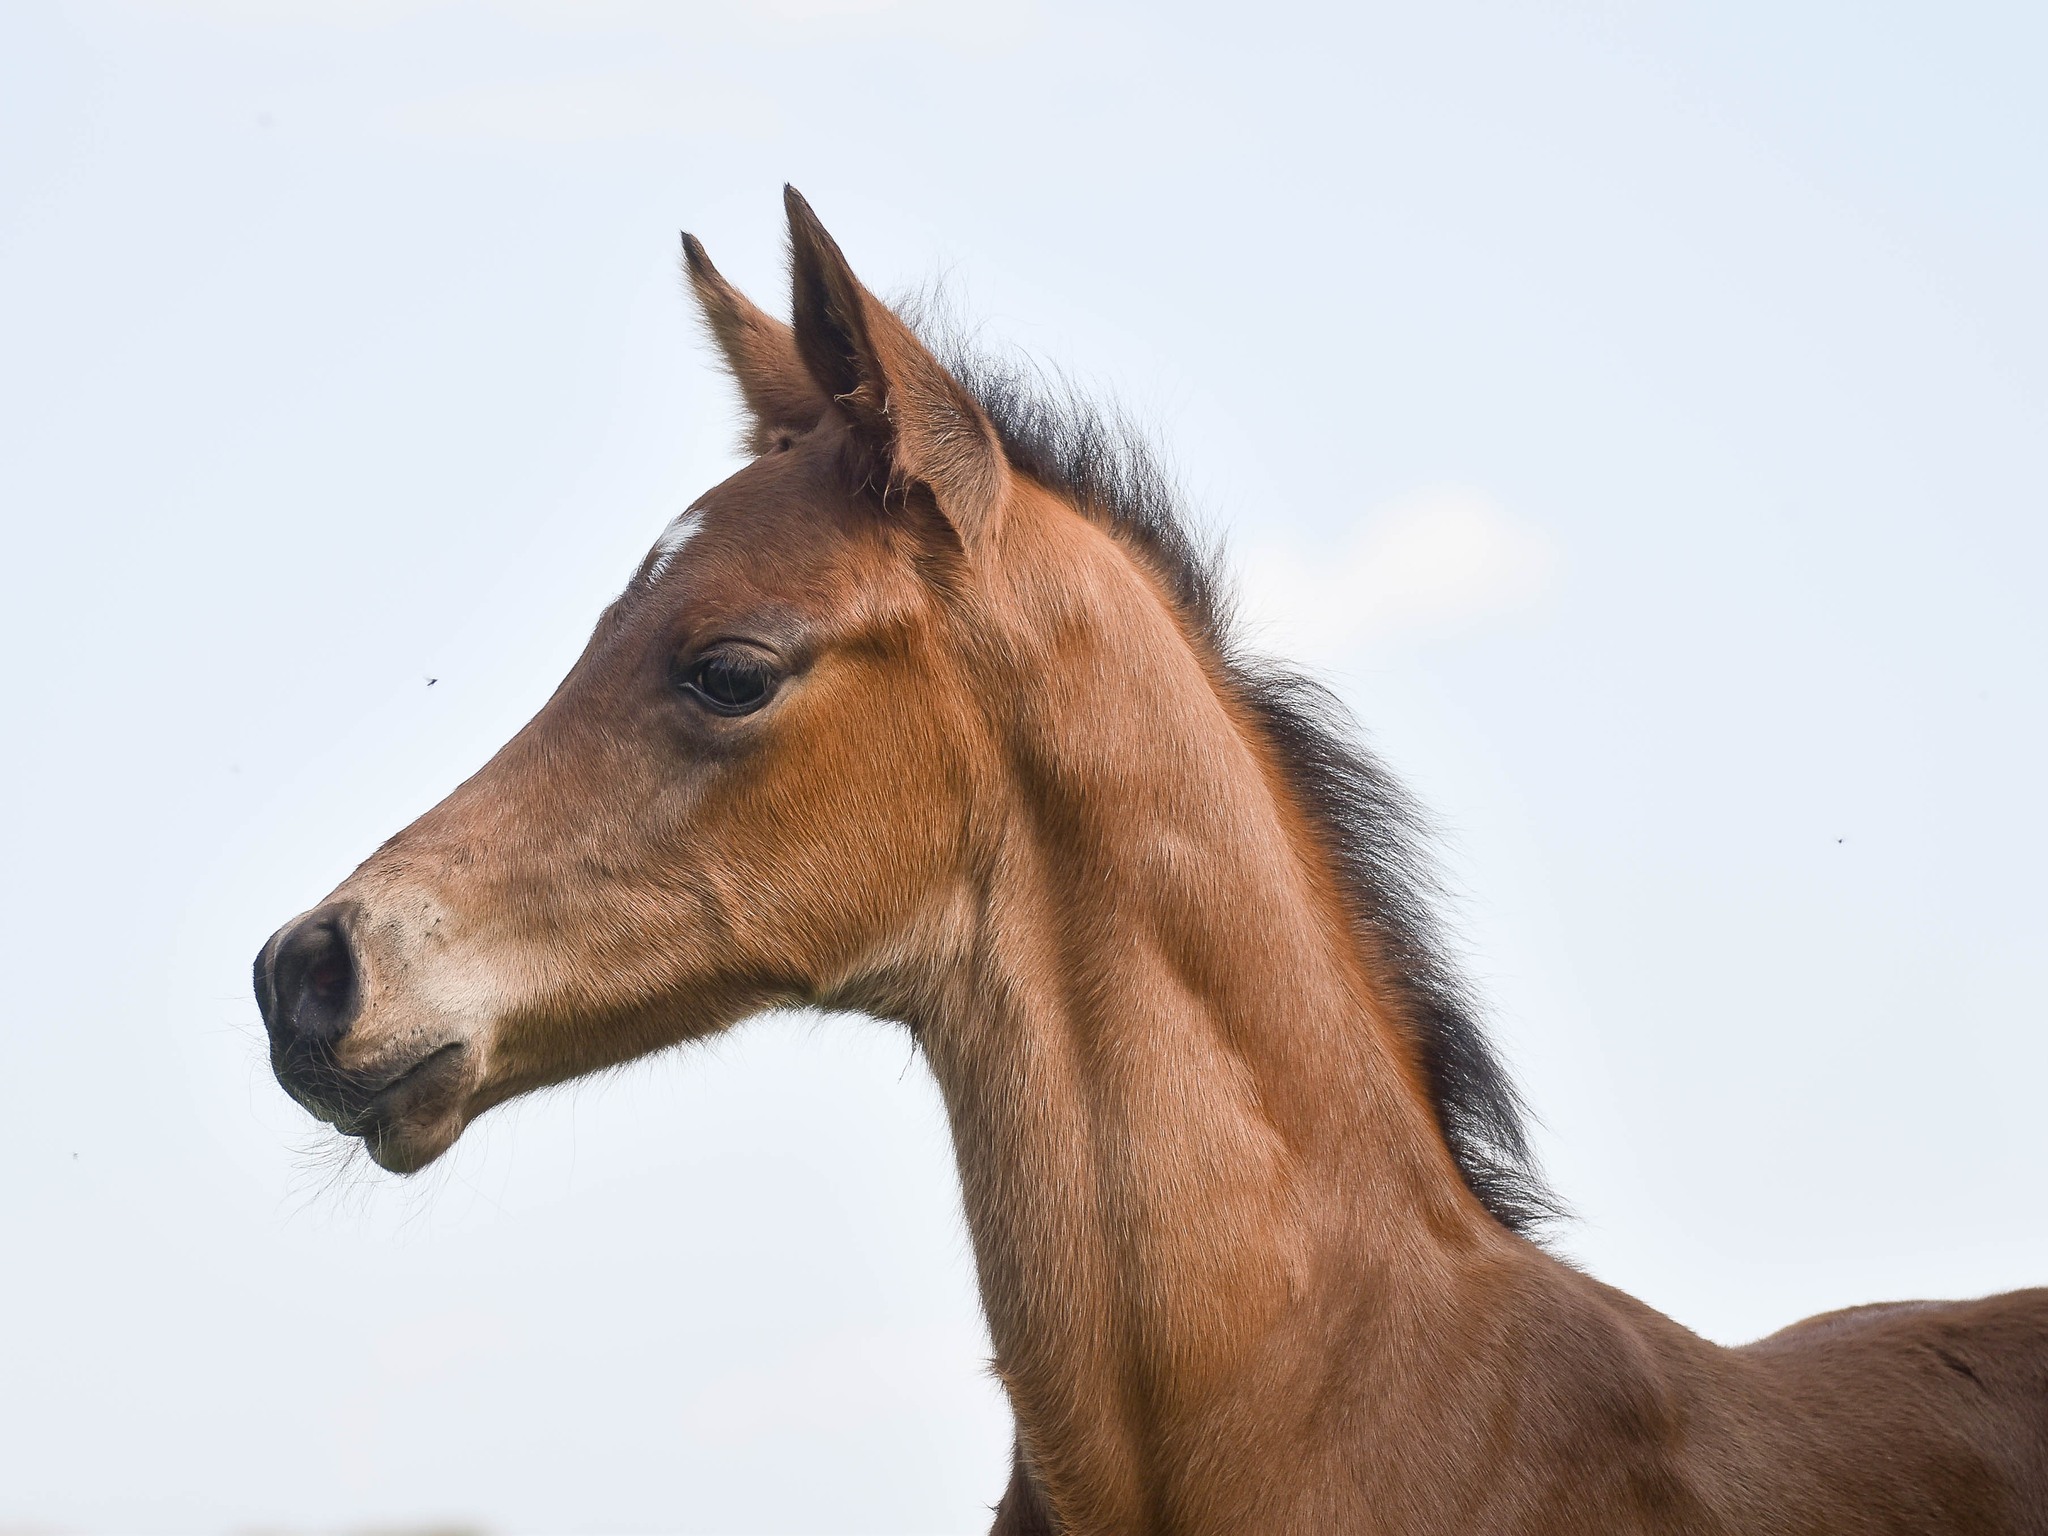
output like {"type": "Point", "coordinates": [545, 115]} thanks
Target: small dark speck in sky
{"type": "Point", "coordinates": [432, 680]}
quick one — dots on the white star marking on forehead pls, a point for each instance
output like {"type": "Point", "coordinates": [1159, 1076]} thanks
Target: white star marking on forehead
{"type": "Point", "coordinates": [684, 528]}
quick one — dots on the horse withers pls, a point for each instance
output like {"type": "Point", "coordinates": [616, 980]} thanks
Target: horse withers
{"type": "Point", "coordinates": [931, 711]}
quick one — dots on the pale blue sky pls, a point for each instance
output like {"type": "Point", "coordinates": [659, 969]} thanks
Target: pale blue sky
{"type": "Point", "coordinates": [1641, 412]}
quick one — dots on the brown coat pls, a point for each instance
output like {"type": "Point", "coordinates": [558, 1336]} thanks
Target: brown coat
{"type": "Point", "coordinates": [932, 711]}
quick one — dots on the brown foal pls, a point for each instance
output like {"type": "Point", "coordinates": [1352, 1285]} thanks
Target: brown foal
{"type": "Point", "coordinates": [931, 711]}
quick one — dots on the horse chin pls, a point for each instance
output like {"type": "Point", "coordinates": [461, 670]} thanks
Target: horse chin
{"type": "Point", "coordinates": [401, 1148]}
{"type": "Point", "coordinates": [421, 1115]}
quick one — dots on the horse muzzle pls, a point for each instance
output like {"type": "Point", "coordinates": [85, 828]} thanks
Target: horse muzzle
{"type": "Point", "coordinates": [404, 1098]}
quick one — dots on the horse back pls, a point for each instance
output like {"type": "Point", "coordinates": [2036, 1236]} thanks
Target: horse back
{"type": "Point", "coordinates": [1933, 1416]}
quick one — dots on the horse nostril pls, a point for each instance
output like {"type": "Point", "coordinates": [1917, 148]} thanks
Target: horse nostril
{"type": "Point", "coordinates": [306, 981]}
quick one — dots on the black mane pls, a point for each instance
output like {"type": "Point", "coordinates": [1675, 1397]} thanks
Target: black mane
{"type": "Point", "coordinates": [1375, 833]}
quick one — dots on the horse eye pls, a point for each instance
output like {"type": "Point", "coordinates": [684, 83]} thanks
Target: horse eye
{"type": "Point", "coordinates": [730, 681]}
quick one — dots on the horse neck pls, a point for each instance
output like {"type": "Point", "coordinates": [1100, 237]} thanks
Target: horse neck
{"type": "Point", "coordinates": [1189, 1133]}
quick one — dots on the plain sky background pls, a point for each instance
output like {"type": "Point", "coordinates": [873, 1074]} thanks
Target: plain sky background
{"type": "Point", "coordinates": [1638, 412]}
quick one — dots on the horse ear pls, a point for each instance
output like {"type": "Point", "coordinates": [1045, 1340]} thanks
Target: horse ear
{"type": "Point", "coordinates": [760, 353]}
{"type": "Point", "coordinates": [919, 423]}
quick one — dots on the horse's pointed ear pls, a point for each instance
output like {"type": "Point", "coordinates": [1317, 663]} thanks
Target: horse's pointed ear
{"type": "Point", "coordinates": [918, 423]}
{"type": "Point", "coordinates": [760, 353]}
